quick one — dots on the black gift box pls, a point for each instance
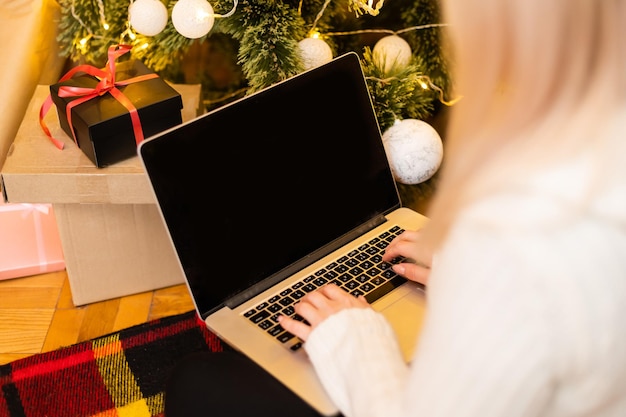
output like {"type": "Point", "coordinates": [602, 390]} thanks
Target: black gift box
{"type": "Point", "coordinates": [103, 125]}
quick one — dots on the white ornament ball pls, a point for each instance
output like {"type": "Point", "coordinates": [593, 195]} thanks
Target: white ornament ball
{"type": "Point", "coordinates": [414, 150]}
{"type": "Point", "coordinates": [193, 18]}
{"type": "Point", "coordinates": [391, 52]}
{"type": "Point", "coordinates": [314, 52]}
{"type": "Point", "coordinates": [148, 17]}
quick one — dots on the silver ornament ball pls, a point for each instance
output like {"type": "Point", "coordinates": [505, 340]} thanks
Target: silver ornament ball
{"type": "Point", "coordinates": [193, 18]}
{"type": "Point", "coordinates": [391, 52]}
{"type": "Point", "coordinates": [314, 52]}
{"type": "Point", "coordinates": [147, 17]}
{"type": "Point", "coordinates": [414, 150]}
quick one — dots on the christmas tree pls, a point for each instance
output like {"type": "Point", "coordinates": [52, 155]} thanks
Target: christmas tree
{"type": "Point", "coordinates": [252, 44]}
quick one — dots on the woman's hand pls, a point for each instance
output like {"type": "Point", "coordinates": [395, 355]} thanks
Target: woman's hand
{"type": "Point", "coordinates": [317, 306]}
{"type": "Point", "coordinates": [411, 246]}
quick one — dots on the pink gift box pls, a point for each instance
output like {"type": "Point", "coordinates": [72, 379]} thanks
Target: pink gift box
{"type": "Point", "coordinates": [29, 240]}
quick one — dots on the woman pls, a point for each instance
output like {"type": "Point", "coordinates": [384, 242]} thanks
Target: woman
{"type": "Point", "coordinates": [527, 295]}
{"type": "Point", "coordinates": [527, 289]}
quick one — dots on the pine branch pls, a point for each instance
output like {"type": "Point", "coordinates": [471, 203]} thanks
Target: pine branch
{"type": "Point", "coordinates": [268, 33]}
{"type": "Point", "coordinates": [398, 95]}
{"type": "Point", "coordinates": [427, 43]}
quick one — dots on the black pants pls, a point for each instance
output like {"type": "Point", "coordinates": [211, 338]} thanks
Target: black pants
{"type": "Point", "coordinates": [228, 384]}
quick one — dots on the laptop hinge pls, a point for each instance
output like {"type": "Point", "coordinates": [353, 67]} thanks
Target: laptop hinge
{"type": "Point", "coordinates": [244, 296]}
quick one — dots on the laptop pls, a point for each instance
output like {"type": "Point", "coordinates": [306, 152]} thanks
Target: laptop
{"type": "Point", "coordinates": [272, 195]}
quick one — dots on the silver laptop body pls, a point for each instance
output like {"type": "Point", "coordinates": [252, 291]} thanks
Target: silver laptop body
{"type": "Point", "coordinates": [263, 192]}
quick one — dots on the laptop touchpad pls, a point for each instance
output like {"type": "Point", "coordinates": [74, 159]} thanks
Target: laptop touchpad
{"type": "Point", "coordinates": [406, 315]}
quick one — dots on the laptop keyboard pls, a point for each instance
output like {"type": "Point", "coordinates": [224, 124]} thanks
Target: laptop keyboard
{"type": "Point", "coordinates": [359, 272]}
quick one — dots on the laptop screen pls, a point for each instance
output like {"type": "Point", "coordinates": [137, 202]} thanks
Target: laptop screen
{"type": "Point", "coordinates": [258, 185]}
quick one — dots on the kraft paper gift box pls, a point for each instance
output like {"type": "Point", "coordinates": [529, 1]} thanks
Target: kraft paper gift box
{"type": "Point", "coordinates": [113, 237]}
{"type": "Point", "coordinates": [102, 125]}
{"type": "Point", "coordinates": [29, 240]}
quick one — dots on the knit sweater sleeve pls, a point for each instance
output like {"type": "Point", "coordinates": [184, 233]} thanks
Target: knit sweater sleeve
{"type": "Point", "coordinates": [359, 362]}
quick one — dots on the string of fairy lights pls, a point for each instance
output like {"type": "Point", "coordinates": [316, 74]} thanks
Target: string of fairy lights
{"type": "Point", "coordinates": [414, 148]}
{"type": "Point", "coordinates": [194, 19]}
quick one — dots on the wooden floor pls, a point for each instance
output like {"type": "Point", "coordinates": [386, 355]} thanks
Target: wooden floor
{"type": "Point", "coordinates": [37, 314]}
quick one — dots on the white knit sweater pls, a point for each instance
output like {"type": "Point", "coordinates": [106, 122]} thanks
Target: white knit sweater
{"type": "Point", "coordinates": [526, 315]}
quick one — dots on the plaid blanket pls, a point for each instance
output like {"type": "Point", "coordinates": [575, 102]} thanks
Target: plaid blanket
{"type": "Point", "coordinates": [121, 374]}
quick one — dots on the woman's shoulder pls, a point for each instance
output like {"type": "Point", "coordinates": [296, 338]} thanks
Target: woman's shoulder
{"type": "Point", "coordinates": [559, 195]}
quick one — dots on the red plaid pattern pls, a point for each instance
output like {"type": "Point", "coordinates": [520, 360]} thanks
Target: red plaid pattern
{"type": "Point", "coordinates": [118, 375]}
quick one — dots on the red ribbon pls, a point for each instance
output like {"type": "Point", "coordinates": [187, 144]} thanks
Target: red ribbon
{"type": "Point", "coordinates": [107, 84]}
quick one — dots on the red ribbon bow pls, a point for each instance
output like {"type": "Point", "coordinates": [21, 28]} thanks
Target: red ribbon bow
{"type": "Point", "coordinates": [107, 84]}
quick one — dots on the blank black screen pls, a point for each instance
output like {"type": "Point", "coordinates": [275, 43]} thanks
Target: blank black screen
{"type": "Point", "coordinates": [255, 186]}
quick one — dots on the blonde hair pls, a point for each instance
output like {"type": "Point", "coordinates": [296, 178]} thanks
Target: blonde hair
{"type": "Point", "coordinates": [537, 78]}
